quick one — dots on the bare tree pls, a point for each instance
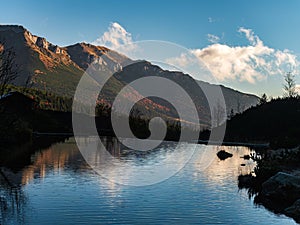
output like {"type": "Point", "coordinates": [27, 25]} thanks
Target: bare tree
{"type": "Point", "coordinates": [219, 114]}
{"type": "Point", "coordinates": [289, 86]}
{"type": "Point", "coordinates": [8, 68]}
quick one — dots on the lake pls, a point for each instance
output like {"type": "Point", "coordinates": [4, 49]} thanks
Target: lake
{"type": "Point", "coordinates": [53, 184]}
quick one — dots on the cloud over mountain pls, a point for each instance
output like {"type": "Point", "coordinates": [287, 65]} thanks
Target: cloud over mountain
{"type": "Point", "coordinates": [251, 63]}
{"type": "Point", "coordinates": [116, 38]}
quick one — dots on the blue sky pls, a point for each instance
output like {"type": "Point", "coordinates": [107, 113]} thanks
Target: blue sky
{"type": "Point", "coordinates": [187, 23]}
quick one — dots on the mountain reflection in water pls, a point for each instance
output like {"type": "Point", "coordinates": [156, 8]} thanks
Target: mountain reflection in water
{"type": "Point", "coordinates": [49, 182]}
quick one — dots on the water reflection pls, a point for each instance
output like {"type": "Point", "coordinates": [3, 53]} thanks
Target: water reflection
{"type": "Point", "coordinates": [12, 201]}
{"type": "Point", "coordinates": [18, 166]}
{"type": "Point", "coordinates": [50, 183]}
{"type": "Point", "coordinates": [217, 171]}
{"type": "Point", "coordinates": [121, 165]}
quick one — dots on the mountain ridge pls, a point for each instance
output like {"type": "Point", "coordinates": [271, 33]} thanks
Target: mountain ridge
{"type": "Point", "coordinates": [58, 69]}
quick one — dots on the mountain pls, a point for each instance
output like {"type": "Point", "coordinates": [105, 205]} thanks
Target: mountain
{"type": "Point", "coordinates": [49, 65]}
{"type": "Point", "coordinates": [58, 70]}
{"type": "Point", "coordinates": [234, 100]}
{"type": "Point", "coordinates": [84, 54]}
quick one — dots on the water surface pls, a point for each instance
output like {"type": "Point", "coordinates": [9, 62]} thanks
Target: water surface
{"type": "Point", "coordinates": [54, 185]}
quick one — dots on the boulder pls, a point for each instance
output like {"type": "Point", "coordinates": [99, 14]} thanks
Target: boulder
{"type": "Point", "coordinates": [224, 155]}
{"type": "Point", "coordinates": [280, 191]}
{"type": "Point", "coordinates": [294, 211]}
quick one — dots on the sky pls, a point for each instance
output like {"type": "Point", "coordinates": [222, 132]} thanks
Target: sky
{"type": "Point", "coordinates": [246, 45]}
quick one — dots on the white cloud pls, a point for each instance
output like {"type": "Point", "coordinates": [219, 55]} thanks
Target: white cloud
{"type": "Point", "coordinates": [251, 63]}
{"type": "Point", "coordinates": [116, 38]}
{"type": "Point", "coordinates": [184, 60]}
{"type": "Point", "coordinates": [213, 38]}
{"type": "Point", "coordinates": [253, 39]}
{"type": "Point", "coordinates": [214, 20]}
{"type": "Point", "coordinates": [210, 20]}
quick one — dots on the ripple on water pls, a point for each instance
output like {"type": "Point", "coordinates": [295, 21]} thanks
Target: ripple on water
{"type": "Point", "coordinates": [60, 188]}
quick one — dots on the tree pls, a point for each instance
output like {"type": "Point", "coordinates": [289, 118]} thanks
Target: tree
{"type": "Point", "coordinates": [231, 114]}
{"type": "Point", "coordinates": [289, 86]}
{"type": "Point", "coordinates": [263, 99]}
{"type": "Point", "coordinates": [8, 68]}
{"type": "Point", "coordinates": [218, 114]}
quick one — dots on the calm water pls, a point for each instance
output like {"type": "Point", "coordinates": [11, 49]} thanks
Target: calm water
{"type": "Point", "coordinates": [54, 185]}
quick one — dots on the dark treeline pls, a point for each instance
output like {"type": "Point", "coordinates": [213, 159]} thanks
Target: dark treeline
{"type": "Point", "coordinates": [45, 113]}
{"type": "Point", "coordinates": [53, 114]}
{"type": "Point", "coordinates": [276, 121]}
{"type": "Point", "coordinates": [44, 99]}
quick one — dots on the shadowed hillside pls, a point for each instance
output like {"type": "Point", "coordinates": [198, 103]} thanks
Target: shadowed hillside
{"type": "Point", "coordinates": [277, 121]}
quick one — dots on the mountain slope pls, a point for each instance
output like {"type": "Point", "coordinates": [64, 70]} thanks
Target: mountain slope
{"type": "Point", "coordinates": [48, 65]}
{"type": "Point", "coordinates": [233, 99]}
{"type": "Point", "coordinates": [84, 54]}
{"type": "Point", "coordinates": [58, 70]}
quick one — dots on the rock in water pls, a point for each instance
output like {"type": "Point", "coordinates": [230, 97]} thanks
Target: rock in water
{"type": "Point", "coordinates": [294, 211]}
{"type": "Point", "coordinates": [280, 191]}
{"type": "Point", "coordinates": [246, 157]}
{"type": "Point", "coordinates": [224, 155]}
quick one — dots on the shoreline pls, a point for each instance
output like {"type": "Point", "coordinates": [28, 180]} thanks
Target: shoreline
{"type": "Point", "coordinates": [206, 142]}
{"type": "Point", "coordinates": [276, 184]}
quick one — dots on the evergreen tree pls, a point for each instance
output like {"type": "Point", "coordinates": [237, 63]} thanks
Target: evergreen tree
{"type": "Point", "coordinates": [263, 99]}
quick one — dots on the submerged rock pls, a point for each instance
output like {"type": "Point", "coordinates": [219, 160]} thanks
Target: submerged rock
{"type": "Point", "coordinates": [224, 155]}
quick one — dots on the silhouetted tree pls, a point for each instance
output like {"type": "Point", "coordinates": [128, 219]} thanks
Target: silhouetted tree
{"type": "Point", "coordinates": [231, 114]}
{"type": "Point", "coordinates": [263, 99]}
{"type": "Point", "coordinates": [8, 68]}
{"type": "Point", "coordinates": [289, 85]}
